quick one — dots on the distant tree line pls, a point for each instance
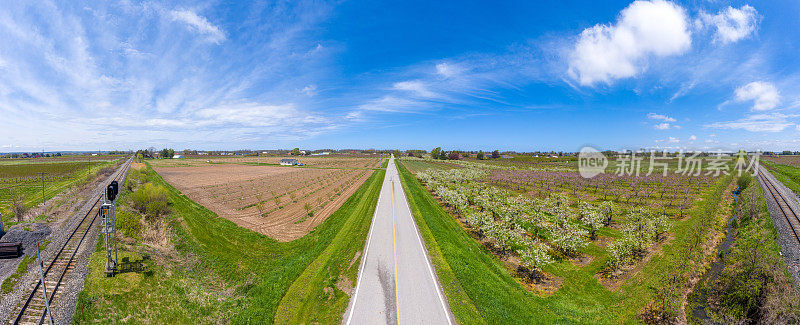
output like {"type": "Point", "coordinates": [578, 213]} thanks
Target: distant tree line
{"type": "Point", "coordinates": [440, 154]}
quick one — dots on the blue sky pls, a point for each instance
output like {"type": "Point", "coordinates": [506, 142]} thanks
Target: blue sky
{"type": "Point", "coordinates": [407, 74]}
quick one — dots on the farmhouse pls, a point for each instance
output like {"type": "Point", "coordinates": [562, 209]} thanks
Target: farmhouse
{"type": "Point", "coordinates": [288, 162]}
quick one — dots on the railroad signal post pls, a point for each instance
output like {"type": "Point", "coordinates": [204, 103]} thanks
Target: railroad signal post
{"type": "Point", "coordinates": [109, 228]}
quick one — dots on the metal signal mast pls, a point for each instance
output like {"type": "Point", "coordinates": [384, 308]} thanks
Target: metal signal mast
{"type": "Point", "coordinates": [109, 227]}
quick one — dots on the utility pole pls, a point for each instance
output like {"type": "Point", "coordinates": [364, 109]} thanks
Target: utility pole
{"type": "Point", "coordinates": [42, 174]}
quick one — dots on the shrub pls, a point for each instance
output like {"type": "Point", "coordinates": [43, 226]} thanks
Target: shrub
{"type": "Point", "coordinates": [129, 224]}
{"type": "Point", "coordinates": [744, 181]}
{"type": "Point", "coordinates": [150, 199]}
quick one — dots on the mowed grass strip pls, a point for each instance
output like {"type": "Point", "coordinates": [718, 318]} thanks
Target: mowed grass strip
{"type": "Point", "coordinates": [318, 296]}
{"type": "Point", "coordinates": [481, 290]}
{"type": "Point", "coordinates": [254, 268]}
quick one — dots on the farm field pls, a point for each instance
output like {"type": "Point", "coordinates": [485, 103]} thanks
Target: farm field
{"type": "Point", "coordinates": [21, 182]}
{"type": "Point", "coordinates": [419, 165]}
{"type": "Point", "coordinates": [308, 162]}
{"type": "Point", "coordinates": [184, 264]}
{"type": "Point", "coordinates": [282, 202]}
{"type": "Point", "coordinates": [546, 239]}
{"type": "Point", "coordinates": [789, 160]}
{"type": "Point", "coordinates": [786, 172]}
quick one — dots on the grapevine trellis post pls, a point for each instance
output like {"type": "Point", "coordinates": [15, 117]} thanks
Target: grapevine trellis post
{"type": "Point", "coordinates": [42, 174]}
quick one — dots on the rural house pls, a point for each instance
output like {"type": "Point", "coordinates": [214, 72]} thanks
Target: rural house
{"type": "Point", "coordinates": [288, 162]}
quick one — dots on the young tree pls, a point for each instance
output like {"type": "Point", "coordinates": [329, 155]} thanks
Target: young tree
{"type": "Point", "coordinates": [17, 203]}
{"type": "Point", "coordinates": [534, 258]}
{"type": "Point", "coordinates": [397, 153]}
{"type": "Point", "coordinates": [569, 238]}
{"type": "Point", "coordinates": [592, 218]}
{"type": "Point", "coordinates": [496, 154]}
{"type": "Point", "coordinates": [480, 155]}
{"type": "Point", "coordinates": [607, 209]}
{"type": "Point", "coordinates": [442, 155]}
{"type": "Point", "coordinates": [454, 155]}
{"type": "Point", "coordinates": [296, 152]}
{"type": "Point", "coordinates": [435, 152]}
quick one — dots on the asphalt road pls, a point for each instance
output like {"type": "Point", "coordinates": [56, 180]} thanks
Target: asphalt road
{"type": "Point", "coordinates": [396, 281]}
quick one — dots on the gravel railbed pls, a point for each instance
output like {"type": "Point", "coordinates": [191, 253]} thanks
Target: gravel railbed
{"type": "Point", "coordinates": [73, 282]}
{"type": "Point", "coordinates": [790, 248]}
{"type": "Point", "coordinates": [59, 235]}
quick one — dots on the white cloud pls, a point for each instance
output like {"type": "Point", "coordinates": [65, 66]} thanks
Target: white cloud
{"type": "Point", "coordinates": [250, 114]}
{"type": "Point", "coordinates": [665, 126]}
{"type": "Point", "coordinates": [775, 122]}
{"type": "Point", "coordinates": [447, 70]}
{"type": "Point", "coordinates": [692, 137]}
{"type": "Point", "coordinates": [604, 53]}
{"type": "Point", "coordinates": [391, 104]}
{"type": "Point", "coordinates": [654, 116]}
{"type": "Point", "coordinates": [731, 24]}
{"type": "Point", "coordinates": [661, 126]}
{"type": "Point", "coordinates": [416, 87]}
{"type": "Point", "coordinates": [763, 94]}
{"type": "Point", "coordinates": [310, 90]}
{"type": "Point", "coordinates": [673, 140]}
{"type": "Point", "coordinates": [199, 24]}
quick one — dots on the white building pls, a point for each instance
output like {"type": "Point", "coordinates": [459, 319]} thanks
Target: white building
{"type": "Point", "coordinates": [288, 162]}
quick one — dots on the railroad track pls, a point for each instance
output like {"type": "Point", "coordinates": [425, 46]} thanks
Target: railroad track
{"type": "Point", "coordinates": [33, 310]}
{"type": "Point", "coordinates": [792, 218]}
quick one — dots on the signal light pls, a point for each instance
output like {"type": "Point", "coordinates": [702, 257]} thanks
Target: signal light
{"type": "Point", "coordinates": [112, 190]}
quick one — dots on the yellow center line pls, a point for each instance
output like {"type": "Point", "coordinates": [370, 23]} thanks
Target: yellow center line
{"type": "Point", "coordinates": [394, 238]}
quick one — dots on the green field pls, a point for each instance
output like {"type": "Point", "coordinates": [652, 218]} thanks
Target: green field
{"type": "Point", "coordinates": [219, 271]}
{"type": "Point", "coordinates": [20, 178]}
{"type": "Point", "coordinates": [786, 174]}
{"type": "Point", "coordinates": [481, 289]}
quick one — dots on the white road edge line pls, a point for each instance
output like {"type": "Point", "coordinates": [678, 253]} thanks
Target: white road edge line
{"type": "Point", "coordinates": [364, 257]}
{"type": "Point", "coordinates": [427, 259]}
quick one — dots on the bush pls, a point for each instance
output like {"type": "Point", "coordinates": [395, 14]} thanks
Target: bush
{"type": "Point", "coordinates": [744, 181]}
{"type": "Point", "coordinates": [129, 224]}
{"type": "Point", "coordinates": [150, 199]}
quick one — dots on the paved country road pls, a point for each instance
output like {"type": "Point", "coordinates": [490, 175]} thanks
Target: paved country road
{"type": "Point", "coordinates": [396, 281]}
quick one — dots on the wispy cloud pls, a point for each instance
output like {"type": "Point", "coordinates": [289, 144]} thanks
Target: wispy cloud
{"type": "Point", "coordinates": [774, 122]}
{"type": "Point", "coordinates": [144, 73]}
{"type": "Point", "coordinates": [654, 116]}
{"type": "Point", "coordinates": [199, 24]}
